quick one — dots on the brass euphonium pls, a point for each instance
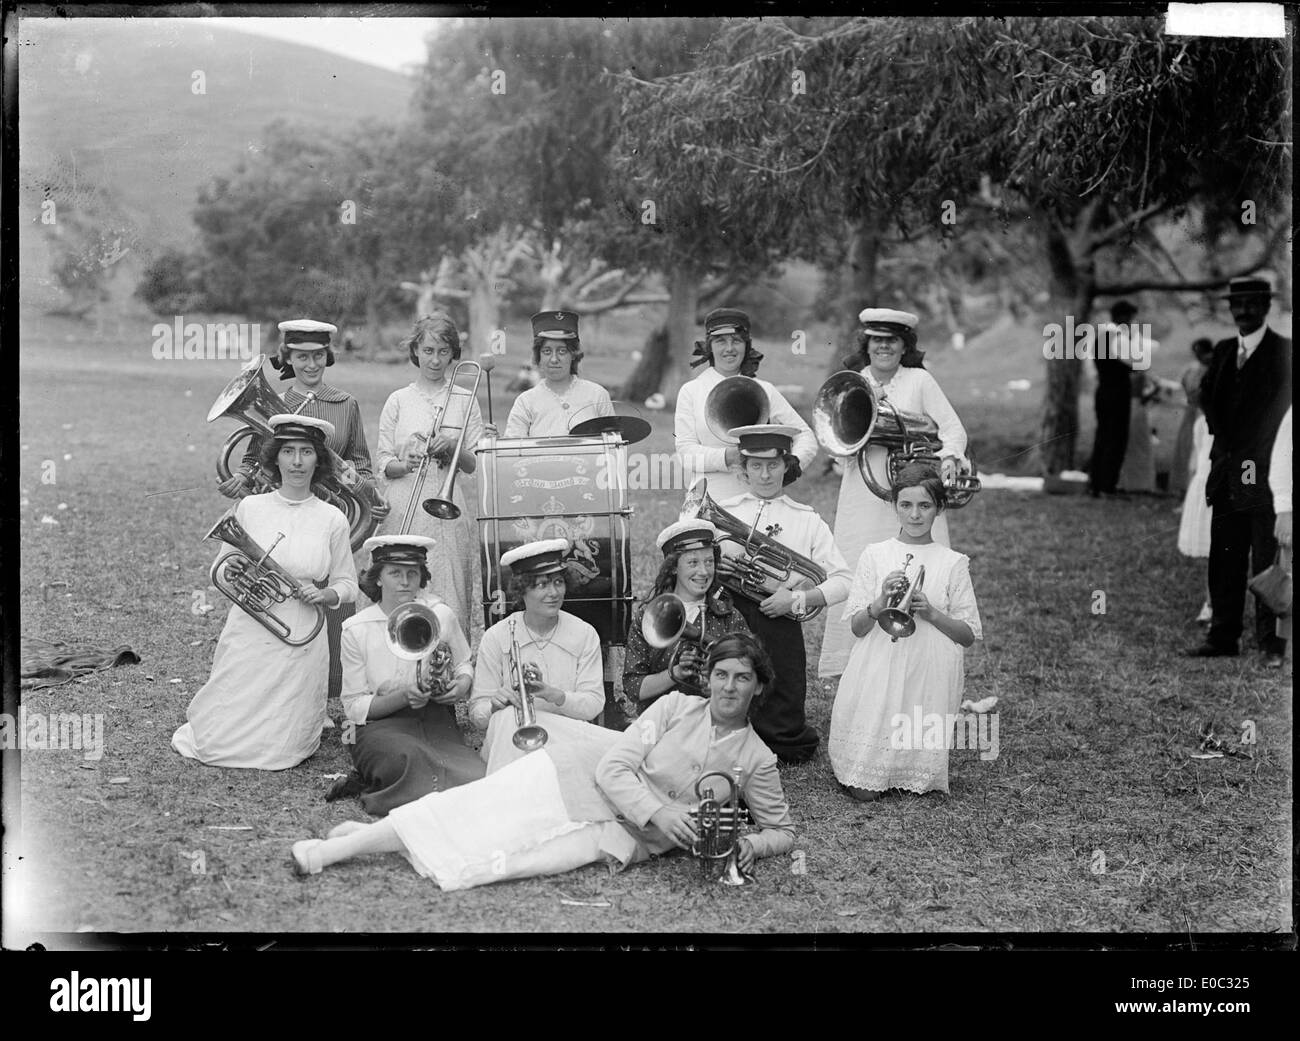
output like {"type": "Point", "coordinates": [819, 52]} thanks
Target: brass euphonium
{"type": "Point", "coordinates": [765, 565]}
{"type": "Point", "coordinates": [413, 634]}
{"type": "Point", "coordinates": [250, 400]}
{"type": "Point", "coordinates": [738, 401]}
{"type": "Point", "coordinates": [719, 829]}
{"type": "Point", "coordinates": [896, 619]}
{"type": "Point", "coordinates": [848, 417]}
{"type": "Point", "coordinates": [663, 623]}
{"type": "Point", "coordinates": [255, 582]}
{"type": "Point", "coordinates": [525, 677]}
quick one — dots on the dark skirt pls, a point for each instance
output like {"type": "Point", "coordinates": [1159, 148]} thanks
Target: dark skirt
{"type": "Point", "coordinates": [334, 632]}
{"type": "Point", "coordinates": [410, 754]}
{"type": "Point", "coordinates": [779, 719]}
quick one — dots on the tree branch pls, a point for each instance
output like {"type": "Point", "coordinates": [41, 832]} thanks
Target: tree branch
{"type": "Point", "coordinates": [1111, 234]}
{"type": "Point", "coordinates": [1193, 285]}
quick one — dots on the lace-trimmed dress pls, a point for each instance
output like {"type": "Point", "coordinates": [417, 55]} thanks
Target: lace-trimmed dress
{"type": "Point", "coordinates": [883, 679]}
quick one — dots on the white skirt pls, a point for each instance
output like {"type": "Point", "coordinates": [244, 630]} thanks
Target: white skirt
{"type": "Point", "coordinates": [1194, 524]}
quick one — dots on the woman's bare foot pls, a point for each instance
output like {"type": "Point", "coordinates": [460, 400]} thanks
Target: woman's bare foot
{"type": "Point", "coordinates": [306, 857]}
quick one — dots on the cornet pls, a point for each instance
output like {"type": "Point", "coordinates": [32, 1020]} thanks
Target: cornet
{"type": "Point", "coordinates": [413, 634]}
{"type": "Point", "coordinates": [441, 505]}
{"type": "Point", "coordinates": [765, 565]}
{"type": "Point", "coordinates": [896, 619]}
{"type": "Point", "coordinates": [848, 417]}
{"type": "Point", "coordinates": [663, 623]}
{"type": "Point", "coordinates": [256, 583]}
{"type": "Point", "coordinates": [719, 829]}
{"type": "Point", "coordinates": [525, 677]}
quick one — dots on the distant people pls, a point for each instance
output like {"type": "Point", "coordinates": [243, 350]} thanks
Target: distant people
{"type": "Point", "coordinates": [1279, 486]}
{"type": "Point", "coordinates": [1113, 405]}
{"type": "Point", "coordinates": [1245, 394]}
{"type": "Point", "coordinates": [1194, 524]}
{"type": "Point", "coordinates": [1184, 461]}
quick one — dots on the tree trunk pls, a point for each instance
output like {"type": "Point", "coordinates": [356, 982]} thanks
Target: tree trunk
{"type": "Point", "coordinates": [664, 364]}
{"type": "Point", "coordinates": [374, 325]}
{"type": "Point", "coordinates": [484, 315]}
{"type": "Point", "coordinates": [1072, 289]}
{"type": "Point", "coordinates": [857, 287]}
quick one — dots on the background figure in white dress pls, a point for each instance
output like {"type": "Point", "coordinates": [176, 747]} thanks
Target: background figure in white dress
{"type": "Point", "coordinates": [563, 399]}
{"type": "Point", "coordinates": [565, 648]}
{"type": "Point", "coordinates": [263, 706]}
{"type": "Point", "coordinates": [729, 351]}
{"type": "Point", "coordinates": [1280, 480]}
{"type": "Point", "coordinates": [887, 346]}
{"type": "Point", "coordinates": [1194, 523]}
{"type": "Point", "coordinates": [404, 427]}
{"type": "Point", "coordinates": [888, 681]}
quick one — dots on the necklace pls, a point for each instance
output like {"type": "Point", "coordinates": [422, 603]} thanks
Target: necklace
{"type": "Point", "coordinates": [537, 640]}
{"type": "Point", "coordinates": [559, 397]}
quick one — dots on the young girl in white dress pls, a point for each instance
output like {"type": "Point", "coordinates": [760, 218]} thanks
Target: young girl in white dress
{"type": "Point", "coordinates": [871, 749]}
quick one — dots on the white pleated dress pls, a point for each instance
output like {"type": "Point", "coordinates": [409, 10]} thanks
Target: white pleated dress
{"type": "Point", "coordinates": [885, 679]}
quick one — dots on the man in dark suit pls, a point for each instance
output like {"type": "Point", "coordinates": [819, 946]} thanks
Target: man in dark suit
{"type": "Point", "coordinates": [1245, 393]}
{"type": "Point", "coordinates": [1113, 403]}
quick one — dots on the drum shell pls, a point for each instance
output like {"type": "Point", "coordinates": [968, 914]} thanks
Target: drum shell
{"type": "Point", "coordinates": [575, 488]}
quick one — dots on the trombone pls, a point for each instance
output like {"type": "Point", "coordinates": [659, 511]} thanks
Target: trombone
{"type": "Point", "coordinates": [896, 619]}
{"type": "Point", "coordinates": [524, 677]}
{"type": "Point", "coordinates": [719, 829]}
{"type": "Point", "coordinates": [442, 506]}
{"type": "Point", "coordinates": [413, 634]}
{"type": "Point", "coordinates": [254, 582]}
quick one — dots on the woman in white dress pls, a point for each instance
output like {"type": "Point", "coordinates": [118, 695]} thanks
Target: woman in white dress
{"type": "Point", "coordinates": [728, 350]}
{"type": "Point", "coordinates": [404, 428]}
{"type": "Point", "coordinates": [563, 399]}
{"type": "Point", "coordinates": [565, 649]}
{"type": "Point", "coordinates": [618, 802]}
{"type": "Point", "coordinates": [887, 344]}
{"type": "Point", "coordinates": [883, 730]}
{"type": "Point", "coordinates": [1194, 523]}
{"type": "Point", "coordinates": [263, 706]}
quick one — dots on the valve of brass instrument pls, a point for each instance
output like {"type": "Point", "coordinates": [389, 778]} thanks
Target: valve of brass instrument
{"type": "Point", "coordinates": [532, 674]}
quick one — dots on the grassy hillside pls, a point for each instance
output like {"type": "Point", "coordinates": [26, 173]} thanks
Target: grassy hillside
{"type": "Point", "coordinates": [111, 128]}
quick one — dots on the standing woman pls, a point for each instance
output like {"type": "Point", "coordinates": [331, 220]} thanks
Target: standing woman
{"type": "Point", "coordinates": [689, 571]}
{"type": "Point", "coordinates": [565, 650]}
{"type": "Point", "coordinates": [263, 706]}
{"type": "Point", "coordinates": [563, 398]}
{"type": "Point", "coordinates": [887, 345]}
{"type": "Point", "coordinates": [405, 426]}
{"type": "Point", "coordinates": [1184, 461]}
{"type": "Point", "coordinates": [406, 740]}
{"type": "Point", "coordinates": [304, 355]}
{"type": "Point", "coordinates": [912, 676]}
{"type": "Point", "coordinates": [728, 350]}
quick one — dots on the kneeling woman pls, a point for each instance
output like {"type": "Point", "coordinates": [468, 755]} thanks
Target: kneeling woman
{"type": "Point", "coordinates": [405, 741]}
{"type": "Point", "coordinates": [890, 685]}
{"type": "Point", "coordinates": [690, 572]}
{"type": "Point", "coordinates": [556, 809]}
{"type": "Point", "coordinates": [564, 649]}
{"type": "Point", "coordinates": [264, 703]}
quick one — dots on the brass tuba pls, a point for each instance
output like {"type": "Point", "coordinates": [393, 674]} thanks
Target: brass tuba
{"type": "Point", "coordinates": [766, 565]}
{"type": "Point", "coordinates": [896, 619]}
{"type": "Point", "coordinates": [524, 677]}
{"type": "Point", "coordinates": [250, 400]}
{"type": "Point", "coordinates": [255, 582]}
{"type": "Point", "coordinates": [848, 417]}
{"type": "Point", "coordinates": [413, 634]}
{"type": "Point", "coordinates": [738, 401]}
{"type": "Point", "coordinates": [719, 829]}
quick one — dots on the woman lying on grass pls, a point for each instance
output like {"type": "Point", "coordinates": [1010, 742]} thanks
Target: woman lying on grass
{"type": "Point", "coordinates": [561, 807]}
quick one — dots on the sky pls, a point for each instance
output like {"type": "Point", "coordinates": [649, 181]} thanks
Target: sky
{"type": "Point", "coordinates": [391, 43]}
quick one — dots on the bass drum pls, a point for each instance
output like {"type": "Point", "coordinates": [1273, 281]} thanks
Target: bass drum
{"type": "Point", "coordinates": [573, 488]}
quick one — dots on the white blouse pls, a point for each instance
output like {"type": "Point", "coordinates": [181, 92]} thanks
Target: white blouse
{"type": "Point", "coordinates": [540, 412]}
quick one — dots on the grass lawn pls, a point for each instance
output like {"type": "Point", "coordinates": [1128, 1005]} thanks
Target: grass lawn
{"type": "Point", "coordinates": [1093, 817]}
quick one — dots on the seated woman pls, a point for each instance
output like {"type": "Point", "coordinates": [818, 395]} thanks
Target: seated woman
{"type": "Point", "coordinates": [563, 399]}
{"type": "Point", "coordinates": [558, 809]}
{"type": "Point", "coordinates": [690, 571]}
{"type": "Point", "coordinates": [264, 703]}
{"type": "Point", "coordinates": [565, 649]}
{"type": "Point", "coordinates": [404, 741]}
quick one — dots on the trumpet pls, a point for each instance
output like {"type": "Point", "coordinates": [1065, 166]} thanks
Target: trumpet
{"type": "Point", "coordinates": [525, 677]}
{"type": "Point", "coordinates": [413, 634]}
{"type": "Point", "coordinates": [765, 565]}
{"type": "Point", "coordinates": [848, 418]}
{"type": "Point", "coordinates": [256, 583]}
{"type": "Point", "coordinates": [441, 505]}
{"type": "Point", "coordinates": [738, 401]}
{"type": "Point", "coordinates": [896, 619]}
{"type": "Point", "coordinates": [663, 624]}
{"type": "Point", "coordinates": [719, 829]}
